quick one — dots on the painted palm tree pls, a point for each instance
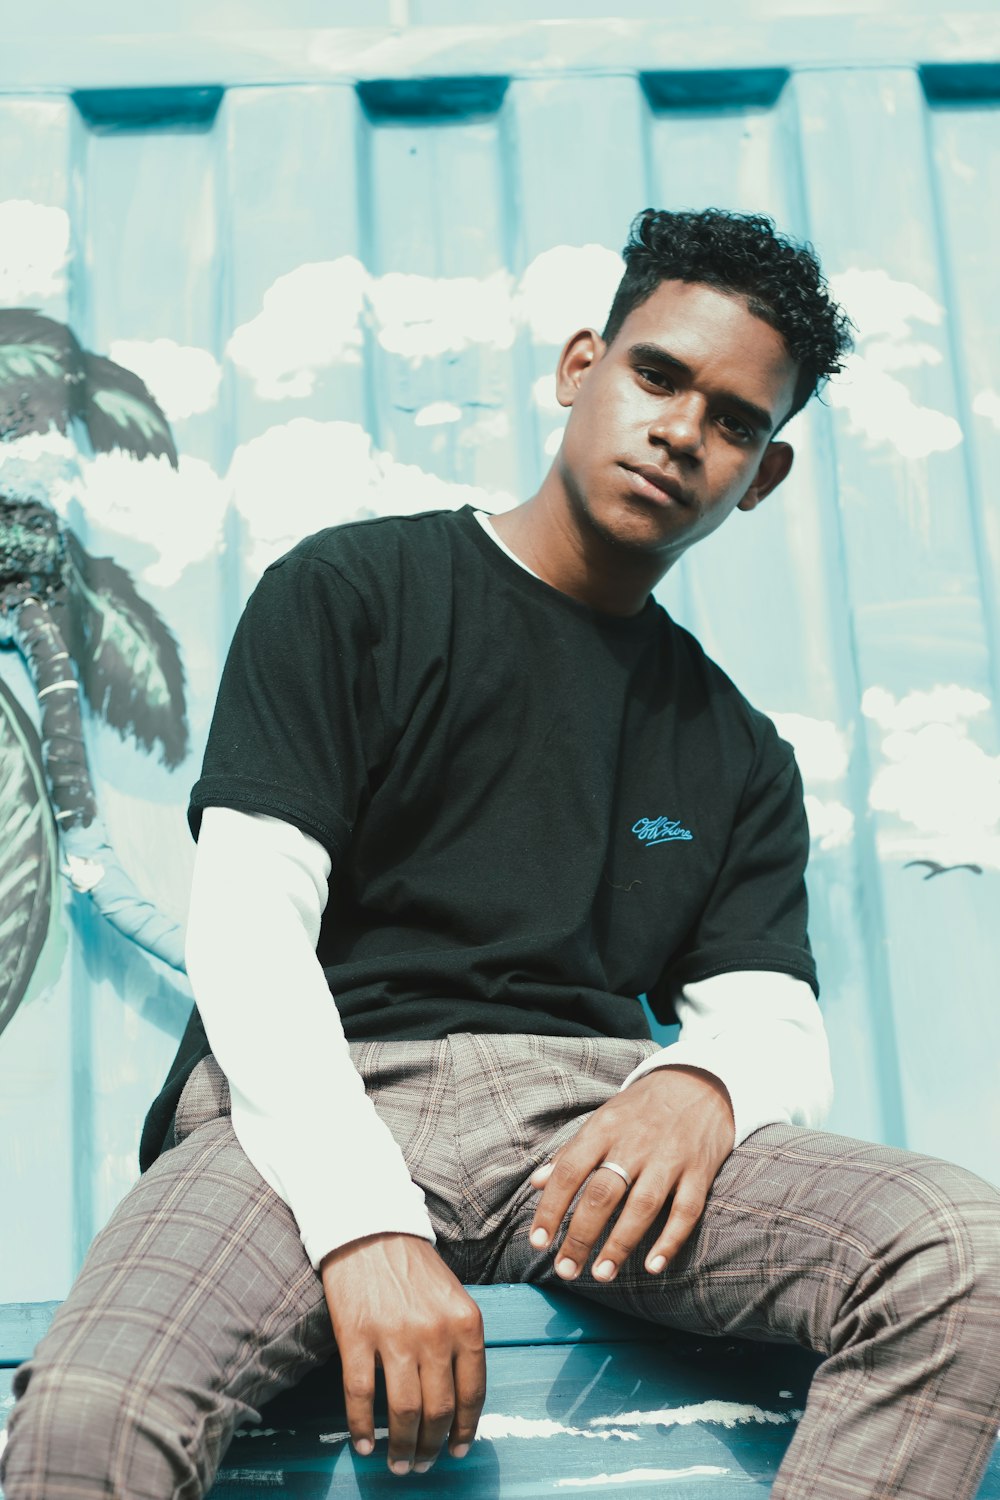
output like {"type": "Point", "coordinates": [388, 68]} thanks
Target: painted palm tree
{"type": "Point", "coordinates": [79, 625]}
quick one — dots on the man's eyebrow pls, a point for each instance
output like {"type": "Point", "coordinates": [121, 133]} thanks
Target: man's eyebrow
{"type": "Point", "coordinates": [655, 354]}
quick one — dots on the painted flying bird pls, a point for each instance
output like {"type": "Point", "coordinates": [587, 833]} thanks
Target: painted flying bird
{"type": "Point", "coordinates": [933, 868]}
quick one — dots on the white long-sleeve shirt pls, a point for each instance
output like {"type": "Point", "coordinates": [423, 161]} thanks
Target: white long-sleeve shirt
{"type": "Point", "coordinates": [258, 895]}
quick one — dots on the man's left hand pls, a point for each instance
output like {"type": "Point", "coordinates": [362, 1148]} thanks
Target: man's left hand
{"type": "Point", "coordinates": [671, 1131]}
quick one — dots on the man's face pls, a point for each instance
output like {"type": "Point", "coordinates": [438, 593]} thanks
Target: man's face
{"type": "Point", "coordinates": [670, 423]}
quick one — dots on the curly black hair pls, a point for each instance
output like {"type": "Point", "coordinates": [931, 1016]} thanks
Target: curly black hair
{"type": "Point", "coordinates": [742, 254]}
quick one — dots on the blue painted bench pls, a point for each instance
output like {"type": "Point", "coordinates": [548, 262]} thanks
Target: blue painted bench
{"type": "Point", "coordinates": [580, 1401]}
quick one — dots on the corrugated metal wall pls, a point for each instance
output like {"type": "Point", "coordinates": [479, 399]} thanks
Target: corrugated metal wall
{"type": "Point", "coordinates": [343, 264]}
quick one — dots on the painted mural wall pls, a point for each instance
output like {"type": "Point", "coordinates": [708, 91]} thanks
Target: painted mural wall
{"type": "Point", "coordinates": [250, 290]}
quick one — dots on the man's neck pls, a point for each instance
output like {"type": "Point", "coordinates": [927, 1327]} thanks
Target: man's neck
{"type": "Point", "coordinates": [545, 535]}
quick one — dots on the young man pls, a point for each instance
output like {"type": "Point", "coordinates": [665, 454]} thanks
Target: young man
{"type": "Point", "coordinates": [467, 776]}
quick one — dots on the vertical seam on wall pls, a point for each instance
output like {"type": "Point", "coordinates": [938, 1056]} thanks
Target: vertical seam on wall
{"type": "Point", "coordinates": [82, 1164]}
{"type": "Point", "coordinates": [363, 130]}
{"type": "Point", "coordinates": [953, 328]}
{"type": "Point", "coordinates": [230, 603]}
{"type": "Point", "coordinates": [873, 934]}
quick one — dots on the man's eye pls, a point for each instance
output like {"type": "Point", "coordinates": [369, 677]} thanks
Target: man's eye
{"type": "Point", "coordinates": [658, 378]}
{"type": "Point", "coordinates": [737, 428]}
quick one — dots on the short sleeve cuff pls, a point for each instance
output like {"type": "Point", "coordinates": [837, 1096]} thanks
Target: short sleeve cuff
{"type": "Point", "coordinates": [780, 958]}
{"type": "Point", "coordinates": [244, 795]}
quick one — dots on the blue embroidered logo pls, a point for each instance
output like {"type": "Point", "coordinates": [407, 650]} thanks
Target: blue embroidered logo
{"type": "Point", "coordinates": [659, 830]}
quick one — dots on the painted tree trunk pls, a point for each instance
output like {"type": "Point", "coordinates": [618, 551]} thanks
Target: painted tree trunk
{"type": "Point", "coordinates": [91, 864]}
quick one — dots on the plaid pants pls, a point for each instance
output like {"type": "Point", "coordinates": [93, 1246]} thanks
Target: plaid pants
{"type": "Point", "coordinates": [197, 1303]}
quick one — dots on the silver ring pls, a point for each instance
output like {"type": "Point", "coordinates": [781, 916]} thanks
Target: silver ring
{"type": "Point", "coordinates": [613, 1166]}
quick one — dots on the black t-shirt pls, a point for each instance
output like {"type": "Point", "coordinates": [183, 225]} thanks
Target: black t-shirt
{"type": "Point", "coordinates": [535, 811]}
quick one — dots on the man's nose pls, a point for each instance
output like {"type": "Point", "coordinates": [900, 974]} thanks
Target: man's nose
{"type": "Point", "coordinates": [679, 423]}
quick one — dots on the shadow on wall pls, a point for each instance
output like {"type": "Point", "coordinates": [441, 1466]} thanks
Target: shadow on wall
{"type": "Point", "coordinates": [77, 622]}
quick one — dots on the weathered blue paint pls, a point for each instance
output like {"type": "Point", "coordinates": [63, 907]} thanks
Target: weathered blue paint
{"type": "Point", "coordinates": [574, 1393]}
{"type": "Point", "coordinates": [200, 173]}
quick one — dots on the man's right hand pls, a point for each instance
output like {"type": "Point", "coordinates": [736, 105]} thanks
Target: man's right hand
{"type": "Point", "coordinates": [393, 1302]}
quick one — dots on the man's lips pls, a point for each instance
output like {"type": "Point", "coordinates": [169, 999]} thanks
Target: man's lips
{"type": "Point", "coordinates": [653, 479]}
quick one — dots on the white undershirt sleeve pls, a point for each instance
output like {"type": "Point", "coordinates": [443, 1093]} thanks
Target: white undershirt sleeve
{"type": "Point", "coordinates": [761, 1034]}
{"type": "Point", "coordinates": [300, 1110]}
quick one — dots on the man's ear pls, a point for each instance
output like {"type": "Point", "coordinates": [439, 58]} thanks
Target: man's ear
{"type": "Point", "coordinates": [772, 469]}
{"type": "Point", "coordinates": [580, 353]}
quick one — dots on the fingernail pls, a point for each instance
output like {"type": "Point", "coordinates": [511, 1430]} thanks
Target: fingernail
{"type": "Point", "coordinates": [566, 1267]}
{"type": "Point", "coordinates": [400, 1466]}
{"type": "Point", "coordinates": [538, 1238]}
{"type": "Point", "coordinates": [364, 1446]}
{"type": "Point", "coordinates": [543, 1171]}
{"type": "Point", "coordinates": [605, 1270]}
{"type": "Point", "coordinates": [657, 1263]}
{"type": "Point", "coordinates": [423, 1467]}
{"type": "Point", "coordinates": [460, 1451]}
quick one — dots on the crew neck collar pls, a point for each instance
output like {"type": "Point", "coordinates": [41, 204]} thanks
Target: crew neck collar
{"type": "Point", "coordinates": [522, 577]}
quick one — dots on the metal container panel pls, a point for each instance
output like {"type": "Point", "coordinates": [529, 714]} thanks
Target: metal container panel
{"type": "Point", "coordinates": [344, 262]}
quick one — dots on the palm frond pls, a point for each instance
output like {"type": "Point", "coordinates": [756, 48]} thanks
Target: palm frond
{"type": "Point", "coordinates": [126, 658]}
{"type": "Point", "coordinates": [121, 413]}
{"type": "Point", "coordinates": [46, 379]}
{"type": "Point", "coordinates": [41, 373]}
{"type": "Point", "coordinates": [28, 854]}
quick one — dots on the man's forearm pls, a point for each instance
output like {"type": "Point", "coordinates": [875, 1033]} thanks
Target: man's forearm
{"type": "Point", "coordinates": [300, 1111]}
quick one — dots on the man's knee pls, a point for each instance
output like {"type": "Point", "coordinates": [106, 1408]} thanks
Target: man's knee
{"type": "Point", "coordinates": [932, 1247]}
{"type": "Point", "coordinates": [85, 1432]}
{"type": "Point", "coordinates": [953, 1212]}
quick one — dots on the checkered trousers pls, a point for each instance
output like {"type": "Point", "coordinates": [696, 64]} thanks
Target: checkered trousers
{"type": "Point", "coordinates": [197, 1303]}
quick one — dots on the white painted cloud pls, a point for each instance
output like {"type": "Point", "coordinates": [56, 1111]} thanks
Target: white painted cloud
{"type": "Point", "coordinates": [939, 780]}
{"type": "Point", "coordinates": [987, 404]}
{"type": "Point", "coordinates": [563, 288]}
{"type": "Point", "coordinates": [881, 409]}
{"type": "Point", "coordinates": [302, 475]}
{"type": "Point", "coordinates": [183, 379]}
{"type": "Point", "coordinates": [40, 466]}
{"type": "Point", "coordinates": [910, 355]}
{"type": "Point", "coordinates": [822, 752]}
{"type": "Point", "coordinates": [310, 319]}
{"type": "Point", "coordinates": [831, 823]}
{"type": "Point", "coordinates": [821, 749]}
{"type": "Point", "coordinates": [934, 779]}
{"type": "Point", "coordinates": [177, 512]}
{"type": "Point", "coordinates": [553, 442]}
{"type": "Point", "coordinates": [543, 393]}
{"type": "Point", "coordinates": [295, 478]}
{"type": "Point", "coordinates": [642, 1476]}
{"type": "Point", "coordinates": [34, 252]}
{"type": "Point", "coordinates": [881, 306]}
{"type": "Point", "coordinates": [421, 317]}
{"type": "Point", "coordinates": [568, 287]}
{"type": "Point", "coordinates": [487, 428]}
{"type": "Point", "coordinates": [437, 414]}
{"type": "Point", "coordinates": [879, 406]}
{"type": "Point", "coordinates": [948, 703]}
